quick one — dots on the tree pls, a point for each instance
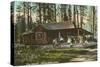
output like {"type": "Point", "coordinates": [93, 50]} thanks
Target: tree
{"type": "Point", "coordinates": [64, 12]}
{"type": "Point", "coordinates": [94, 20]}
{"type": "Point", "coordinates": [47, 13]}
{"type": "Point", "coordinates": [81, 15]}
{"type": "Point", "coordinates": [70, 13]}
{"type": "Point", "coordinates": [74, 16]}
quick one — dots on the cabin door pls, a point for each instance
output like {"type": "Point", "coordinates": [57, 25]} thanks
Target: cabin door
{"type": "Point", "coordinates": [41, 37]}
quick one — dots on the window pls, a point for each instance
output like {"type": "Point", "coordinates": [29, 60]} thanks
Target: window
{"type": "Point", "coordinates": [39, 35]}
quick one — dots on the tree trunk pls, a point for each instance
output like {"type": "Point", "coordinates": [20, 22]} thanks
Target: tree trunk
{"type": "Point", "coordinates": [55, 12]}
{"type": "Point", "coordinates": [40, 13]}
{"type": "Point", "coordinates": [70, 14]}
{"type": "Point", "coordinates": [78, 25]}
{"type": "Point", "coordinates": [78, 32]}
{"type": "Point", "coordinates": [74, 16]}
{"type": "Point", "coordinates": [24, 15]}
{"type": "Point", "coordinates": [81, 16]}
{"type": "Point", "coordinates": [93, 21]}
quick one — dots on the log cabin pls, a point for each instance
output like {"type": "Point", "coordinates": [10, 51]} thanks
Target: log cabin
{"type": "Point", "coordinates": [45, 33]}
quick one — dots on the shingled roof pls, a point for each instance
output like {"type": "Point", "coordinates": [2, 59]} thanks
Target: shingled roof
{"type": "Point", "coordinates": [58, 26]}
{"type": "Point", "coordinates": [27, 32]}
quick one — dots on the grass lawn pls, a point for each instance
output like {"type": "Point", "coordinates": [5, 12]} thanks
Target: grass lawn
{"type": "Point", "coordinates": [35, 55]}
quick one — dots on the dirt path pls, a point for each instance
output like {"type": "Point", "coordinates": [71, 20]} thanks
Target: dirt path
{"type": "Point", "coordinates": [88, 57]}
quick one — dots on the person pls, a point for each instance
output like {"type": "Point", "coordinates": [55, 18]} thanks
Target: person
{"type": "Point", "coordinates": [69, 40]}
{"type": "Point", "coordinates": [61, 39]}
{"type": "Point", "coordinates": [55, 42]}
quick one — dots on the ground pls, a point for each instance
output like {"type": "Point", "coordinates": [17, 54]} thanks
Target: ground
{"type": "Point", "coordinates": [41, 55]}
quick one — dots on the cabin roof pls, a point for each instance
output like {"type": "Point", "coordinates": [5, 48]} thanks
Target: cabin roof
{"type": "Point", "coordinates": [58, 26]}
{"type": "Point", "coordinates": [27, 32]}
